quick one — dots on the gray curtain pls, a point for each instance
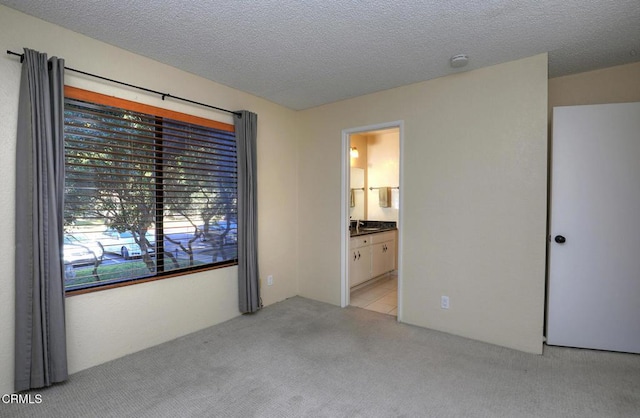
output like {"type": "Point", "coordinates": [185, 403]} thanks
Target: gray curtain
{"type": "Point", "coordinates": [246, 125]}
{"type": "Point", "coordinates": [40, 337]}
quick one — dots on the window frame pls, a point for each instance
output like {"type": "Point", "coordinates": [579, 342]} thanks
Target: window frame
{"type": "Point", "coordinates": [102, 99]}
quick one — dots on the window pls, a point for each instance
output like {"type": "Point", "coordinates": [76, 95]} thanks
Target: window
{"type": "Point", "coordinates": [149, 192]}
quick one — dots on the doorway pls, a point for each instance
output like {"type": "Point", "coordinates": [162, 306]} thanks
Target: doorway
{"type": "Point", "coordinates": [372, 205]}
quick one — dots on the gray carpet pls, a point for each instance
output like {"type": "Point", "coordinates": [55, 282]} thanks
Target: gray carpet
{"type": "Point", "coordinates": [301, 358]}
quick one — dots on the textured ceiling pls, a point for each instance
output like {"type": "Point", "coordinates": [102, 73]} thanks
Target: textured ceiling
{"type": "Point", "coordinates": [302, 54]}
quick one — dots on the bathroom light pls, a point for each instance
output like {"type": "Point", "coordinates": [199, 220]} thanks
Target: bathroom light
{"type": "Point", "coordinates": [458, 61]}
{"type": "Point", "coordinates": [354, 152]}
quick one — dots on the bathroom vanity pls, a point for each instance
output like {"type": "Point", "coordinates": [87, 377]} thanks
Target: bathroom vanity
{"type": "Point", "coordinates": [372, 251]}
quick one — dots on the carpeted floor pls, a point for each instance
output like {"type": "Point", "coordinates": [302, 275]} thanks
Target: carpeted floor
{"type": "Point", "coordinates": [301, 358]}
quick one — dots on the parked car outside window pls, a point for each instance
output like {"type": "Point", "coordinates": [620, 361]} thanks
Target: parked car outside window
{"type": "Point", "coordinates": [124, 243]}
{"type": "Point", "coordinates": [78, 249]}
{"type": "Point", "coordinates": [217, 230]}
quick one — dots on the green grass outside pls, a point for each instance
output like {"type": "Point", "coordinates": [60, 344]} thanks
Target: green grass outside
{"type": "Point", "coordinates": [117, 272]}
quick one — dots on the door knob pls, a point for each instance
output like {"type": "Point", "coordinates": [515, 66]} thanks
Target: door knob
{"type": "Point", "coordinates": [560, 239]}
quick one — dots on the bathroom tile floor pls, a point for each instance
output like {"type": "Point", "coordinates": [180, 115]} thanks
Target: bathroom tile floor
{"type": "Point", "coordinates": [380, 296]}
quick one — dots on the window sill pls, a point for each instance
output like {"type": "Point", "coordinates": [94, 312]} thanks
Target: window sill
{"type": "Point", "coordinates": [149, 279]}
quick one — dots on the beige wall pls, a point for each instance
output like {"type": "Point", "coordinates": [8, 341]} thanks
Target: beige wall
{"type": "Point", "coordinates": [360, 142]}
{"type": "Point", "coordinates": [109, 324]}
{"type": "Point", "coordinates": [474, 171]}
{"type": "Point", "coordinates": [620, 84]}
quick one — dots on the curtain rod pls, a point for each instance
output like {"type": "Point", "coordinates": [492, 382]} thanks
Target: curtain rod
{"type": "Point", "coordinates": [139, 88]}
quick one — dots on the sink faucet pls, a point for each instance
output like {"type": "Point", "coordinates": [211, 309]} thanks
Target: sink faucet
{"type": "Point", "coordinates": [358, 224]}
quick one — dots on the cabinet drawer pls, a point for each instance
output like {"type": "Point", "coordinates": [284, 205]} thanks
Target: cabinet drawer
{"type": "Point", "coordinates": [357, 242]}
{"type": "Point", "coordinates": [383, 236]}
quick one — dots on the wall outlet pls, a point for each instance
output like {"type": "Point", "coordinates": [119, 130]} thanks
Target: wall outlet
{"type": "Point", "coordinates": [269, 280]}
{"type": "Point", "coordinates": [444, 302]}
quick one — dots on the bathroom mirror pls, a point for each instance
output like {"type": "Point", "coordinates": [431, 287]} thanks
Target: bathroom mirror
{"type": "Point", "coordinates": [357, 207]}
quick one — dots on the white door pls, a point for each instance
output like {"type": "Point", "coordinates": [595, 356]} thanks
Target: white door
{"type": "Point", "coordinates": [594, 252]}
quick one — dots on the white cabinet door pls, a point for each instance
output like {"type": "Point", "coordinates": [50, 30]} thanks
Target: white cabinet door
{"type": "Point", "coordinates": [383, 258]}
{"type": "Point", "coordinates": [360, 265]}
{"type": "Point", "coordinates": [359, 260]}
{"type": "Point", "coordinates": [378, 259]}
{"type": "Point", "coordinates": [391, 252]}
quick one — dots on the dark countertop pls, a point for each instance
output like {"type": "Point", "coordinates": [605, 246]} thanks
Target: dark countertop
{"type": "Point", "coordinates": [371, 227]}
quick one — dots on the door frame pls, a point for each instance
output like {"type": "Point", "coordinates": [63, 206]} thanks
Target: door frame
{"type": "Point", "coordinates": [344, 211]}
